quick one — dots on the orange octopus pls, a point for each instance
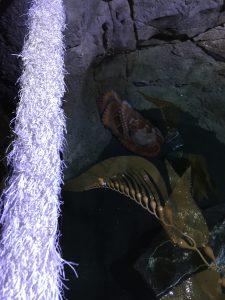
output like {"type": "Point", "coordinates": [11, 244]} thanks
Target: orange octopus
{"type": "Point", "coordinates": [133, 131]}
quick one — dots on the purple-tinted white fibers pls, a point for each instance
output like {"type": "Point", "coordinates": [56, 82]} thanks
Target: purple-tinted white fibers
{"type": "Point", "coordinates": [31, 266]}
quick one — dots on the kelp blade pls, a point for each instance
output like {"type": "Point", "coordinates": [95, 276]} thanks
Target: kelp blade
{"type": "Point", "coordinates": [171, 112]}
{"type": "Point", "coordinates": [201, 286]}
{"type": "Point", "coordinates": [202, 182]}
{"type": "Point", "coordinates": [185, 214]}
{"type": "Point", "coordinates": [112, 167]}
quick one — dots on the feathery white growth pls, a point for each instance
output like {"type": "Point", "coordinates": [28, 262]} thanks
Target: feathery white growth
{"type": "Point", "coordinates": [30, 263]}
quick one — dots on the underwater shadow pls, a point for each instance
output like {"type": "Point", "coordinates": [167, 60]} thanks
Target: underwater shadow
{"type": "Point", "coordinates": [127, 276]}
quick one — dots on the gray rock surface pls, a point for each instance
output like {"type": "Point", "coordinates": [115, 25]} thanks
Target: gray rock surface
{"type": "Point", "coordinates": [156, 41]}
{"type": "Point", "coordinates": [175, 17]}
{"type": "Point", "coordinates": [213, 42]}
{"type": "Point", "coordinates": [97, 28]}
{"type": "Point", "coordinates": [180, 72]}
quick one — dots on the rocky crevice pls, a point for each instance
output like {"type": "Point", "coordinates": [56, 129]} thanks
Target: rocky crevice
{"type": "Point", "coordinates": [214, 56]}
{"type": "Point", "coordinates": [132, 14]}
{"type": "Point", "coordinates": [104, 36]}
{"type": "Point", "coordinates": [223, 7]}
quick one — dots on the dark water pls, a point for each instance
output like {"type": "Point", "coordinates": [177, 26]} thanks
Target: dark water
{"type": "Point", "coordinates": [107, 233]}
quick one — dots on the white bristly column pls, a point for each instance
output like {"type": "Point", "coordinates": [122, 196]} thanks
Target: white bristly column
{"type": "Point", "coordinates": [31, 266]}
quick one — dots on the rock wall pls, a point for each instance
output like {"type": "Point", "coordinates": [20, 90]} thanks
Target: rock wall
{"type": "Point", "coordinates": [171, 49]}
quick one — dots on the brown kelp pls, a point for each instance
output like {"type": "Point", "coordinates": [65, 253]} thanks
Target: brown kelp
{"type": "Point", "coordinates": [203, 285]}
{"type": "Point", "coordinates": [171, 115]}
{"type": "Point", "coordinates": [135, 132]}
{"type": "Point", "coordinates": [140, 180]}
{"type": "Point", "coordinates": [202, 182]}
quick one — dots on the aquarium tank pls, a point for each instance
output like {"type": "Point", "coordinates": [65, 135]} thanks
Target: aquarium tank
{"type": "Point", "coordinates": [112, 149]}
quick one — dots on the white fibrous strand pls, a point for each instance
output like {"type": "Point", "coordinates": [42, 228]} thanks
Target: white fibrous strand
{"type": "Point", "coordinates": [31, 266]}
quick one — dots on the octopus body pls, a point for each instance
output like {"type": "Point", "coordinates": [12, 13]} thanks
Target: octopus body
{"type": "Point", "coordinates": [133, 131]}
